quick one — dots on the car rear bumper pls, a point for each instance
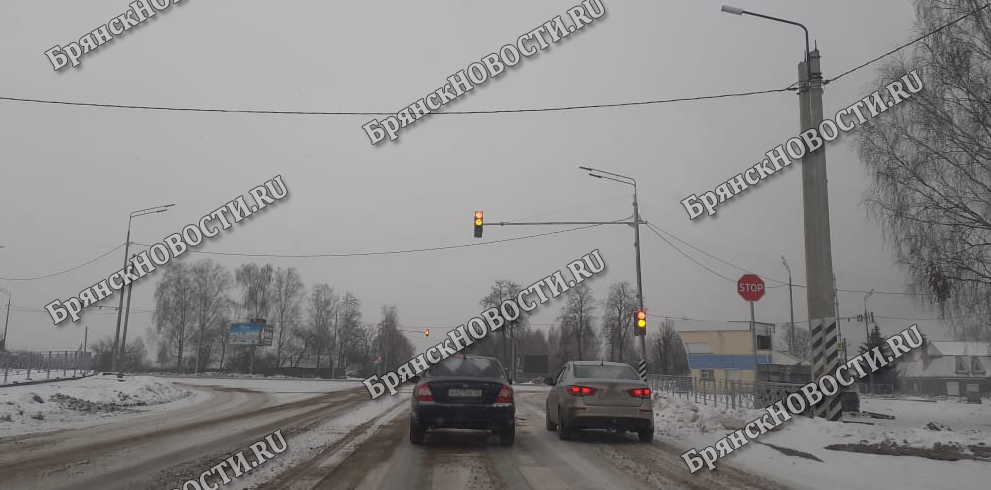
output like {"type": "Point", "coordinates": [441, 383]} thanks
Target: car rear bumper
{"type": "Point", "coordinates": [460, 416]}
{"type": "Point", "coordinates": [601, 417]}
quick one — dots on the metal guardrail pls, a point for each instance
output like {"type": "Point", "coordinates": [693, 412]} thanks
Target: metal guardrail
{"type": "Point", "coordinates": [43, 364]}
{"type": "Point", "coordinates": [723, 392]}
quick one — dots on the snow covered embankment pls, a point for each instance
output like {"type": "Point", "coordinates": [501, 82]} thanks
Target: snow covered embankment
{"type": "Point", "coordinates": [74, 403]}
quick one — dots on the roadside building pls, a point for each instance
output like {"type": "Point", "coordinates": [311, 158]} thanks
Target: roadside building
{"type": "Point", "coordinates": [949, 368]}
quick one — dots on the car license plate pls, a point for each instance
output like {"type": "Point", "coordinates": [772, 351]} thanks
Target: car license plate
{"type": "Point", "coordinates": [464, 393]}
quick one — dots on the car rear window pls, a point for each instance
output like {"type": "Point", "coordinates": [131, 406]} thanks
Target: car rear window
{"type": "Point", "coordinates": [467, 366]}
{"type": "Point", "coordinates": [609, 372]}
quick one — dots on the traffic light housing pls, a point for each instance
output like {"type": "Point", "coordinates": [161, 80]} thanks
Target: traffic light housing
{"type": "Point", "coordinates": [641, 319]}
{"type": "Point", "coordinates": [478, 224]}
{"type": "Point", "coordinates": [426, 332]}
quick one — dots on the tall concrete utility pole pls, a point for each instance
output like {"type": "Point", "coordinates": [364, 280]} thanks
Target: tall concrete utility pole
{"type": "Point", "coordinates": [818, 243]}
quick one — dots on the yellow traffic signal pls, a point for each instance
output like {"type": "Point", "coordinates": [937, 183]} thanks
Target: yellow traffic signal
{"type": "Point", "coordinates": [426, 332]}
{"type": "Point", "coordinates": [641, 317]}
{"type": "Point", "coordinates": [478, 224]}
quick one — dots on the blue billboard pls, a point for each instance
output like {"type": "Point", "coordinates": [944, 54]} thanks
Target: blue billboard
{"type": "Point", "coordinates": [246, 334]}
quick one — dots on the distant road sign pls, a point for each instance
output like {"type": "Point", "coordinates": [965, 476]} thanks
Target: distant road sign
{"type": "Point", "coordinates": [750, 287]}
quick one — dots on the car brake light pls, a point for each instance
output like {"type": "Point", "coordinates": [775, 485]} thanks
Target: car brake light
{"type": "Point", "coordinates": [640, 392]}
{"type": "Point", "coordinates": [581, 390]}
{"type": "Point", "coordinates": [424, 394]}
{"type": "Point", "coordinates": [505, 395]}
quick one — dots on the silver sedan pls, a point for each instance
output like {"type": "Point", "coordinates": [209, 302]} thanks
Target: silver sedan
{"type": "Point", "coordinates": [599, 395]}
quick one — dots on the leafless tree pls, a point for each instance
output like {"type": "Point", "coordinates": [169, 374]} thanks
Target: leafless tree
{"type": "Point", "coordinates": [929, 160]}
{"type": "Point", "coordinates": [348, 331]}
{"type": "Point", "coordinates": [558, 350]}
{"type": "Point", "coordinates": [256, 289]}
{"type": "Point", "coordinates": [288, 293]}
{"type": "Point", "coordinates": [512, 335]}
{"type": "Point", "coordinates": [211, 281]}
{"type": "Point", "coordinates": [802, 348]}
{"type": "Point", "coordinates": [394, 346]}
{"type": "Point", "coordinates": [175, 299]}
{"type": "Point", "coordinates": [668, 351]}
{"type": "Point", "coordinates": [577, 322]}
{"type": "Point", "coordinates": [617, 321]}
{"type": "Point", "coordinates": [320, 313]}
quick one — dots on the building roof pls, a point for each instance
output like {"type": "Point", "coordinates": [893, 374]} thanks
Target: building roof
{"type": "Point", "coordinates": [698, 326]}
{"type": "Point", "coordinates": [953, 348]}
{"type": "Point", "coordinates": [599, 363]}
{"type": "Point", "coordinates": [785, 359]}
{"type": "Point", "coordinates": [940, 367]}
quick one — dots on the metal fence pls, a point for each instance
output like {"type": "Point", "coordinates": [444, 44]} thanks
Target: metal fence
{"type": "Point", "coordinates": [723, 392]}
{"type": "Point", "coordinates": [29, 366]}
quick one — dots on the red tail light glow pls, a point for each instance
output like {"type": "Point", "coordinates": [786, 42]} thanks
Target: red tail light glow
{"type": "Point", "coordinates": [640, 392]}
{"type": "Point", "coordinates": [424, 394]}
{"type": "Point", "coordinates": [581, 390]}
{"type": "Point", "coordinates": [505, 395]}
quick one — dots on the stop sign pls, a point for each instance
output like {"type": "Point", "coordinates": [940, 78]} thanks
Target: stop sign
{"type": "Point", "coordinates": [750, 287]}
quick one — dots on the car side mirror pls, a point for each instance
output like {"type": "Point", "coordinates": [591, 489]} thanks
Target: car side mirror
{"type": "Point", "coordinates": [549, 381]}
{"type": "Point", "coordinates": [415, 379]}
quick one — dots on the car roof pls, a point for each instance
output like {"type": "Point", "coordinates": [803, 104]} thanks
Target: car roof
{"type": "Point", "coordinates": [599, 363]}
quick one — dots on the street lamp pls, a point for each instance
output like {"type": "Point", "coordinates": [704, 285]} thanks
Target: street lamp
{"type": "Point", "coordinates": [867, 331]}
{"type": "Point", "coordinates": [641, 339]}
{"type": "Point", "coordinates": [791, 300]}
{"type": "Point", "coordinates": [739, 11]}
{"type": "Point", "coordinates": [118, 345]}
{"type": "Point", "coordinates": [3, 343]}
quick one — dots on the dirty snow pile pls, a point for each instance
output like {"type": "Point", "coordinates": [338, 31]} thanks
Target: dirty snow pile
{"type": "Point", "coordinates": [934, 444]}
{"type": "Point", "coordinates": [60, 404]}
{"type": "Point", "coordinates": [680, 418]}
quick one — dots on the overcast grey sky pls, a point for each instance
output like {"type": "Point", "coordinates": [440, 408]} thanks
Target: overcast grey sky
{"type": "Point", "coordinates": [70, 175]}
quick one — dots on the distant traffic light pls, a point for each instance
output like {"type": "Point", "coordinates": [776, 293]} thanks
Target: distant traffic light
{"type": "Point", "coordinates": [641, 318]}
{"type": "Point", "coordinates": [478, 224]}
{"type": "Point", "coordinates": [426, 332]}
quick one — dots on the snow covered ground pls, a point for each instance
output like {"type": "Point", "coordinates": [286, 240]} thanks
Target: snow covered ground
{"type": "Point", "coordinates": [81, 402]}
{"type": "Point", "coordinates": [916, 422]}
{"type": "Point", "coordinates": [281, 388]}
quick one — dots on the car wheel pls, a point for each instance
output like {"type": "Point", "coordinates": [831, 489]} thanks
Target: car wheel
{"type": "Point", "coordinates": [646, 435]}
{"type": "Point", "coordinates": [508, 437]}
{"type": "Point", "coordinates": [551, 426]}
{"type": "Point", "coordinates": [416, 434]}
{"type": "Point", "coordinates": [563, 431]}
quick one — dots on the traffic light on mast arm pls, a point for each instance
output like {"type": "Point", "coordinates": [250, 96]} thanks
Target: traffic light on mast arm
{"type": "Point", "coordinates": [478, 224]}
{"type": "Point", "coordinates": [426, 332]}
{"type": "Point", "coordinates": [641, 318]}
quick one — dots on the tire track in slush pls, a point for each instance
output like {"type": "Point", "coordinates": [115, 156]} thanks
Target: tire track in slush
{"type": "Point", "coordinates": [657, 463]}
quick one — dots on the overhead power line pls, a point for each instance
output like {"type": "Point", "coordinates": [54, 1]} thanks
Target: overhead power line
{"type": "Point", "coordinates": [391, 113]}
{"type": "Point", "coordinates": [491, 111]}
{"type": "Point", "coordinates": [388, 252]}
{"type": "Point", "coordinates": [657, 231]}
{"type": "Point", "coordinates": [903, 46]}
{"type": "Point", "coordinates": [689, 257]}
{"type": "Point", "coordinates": [66, 271]}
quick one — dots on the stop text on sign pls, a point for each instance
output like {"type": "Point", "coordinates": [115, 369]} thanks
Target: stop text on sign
{"type": "Point", "coordinates": [750, 287]}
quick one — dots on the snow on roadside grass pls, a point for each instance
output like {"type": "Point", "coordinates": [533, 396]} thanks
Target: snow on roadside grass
{"type": "Point", "coordinates": [65, 404]}
{"type": "Point", "coordinates": [688, 425]}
